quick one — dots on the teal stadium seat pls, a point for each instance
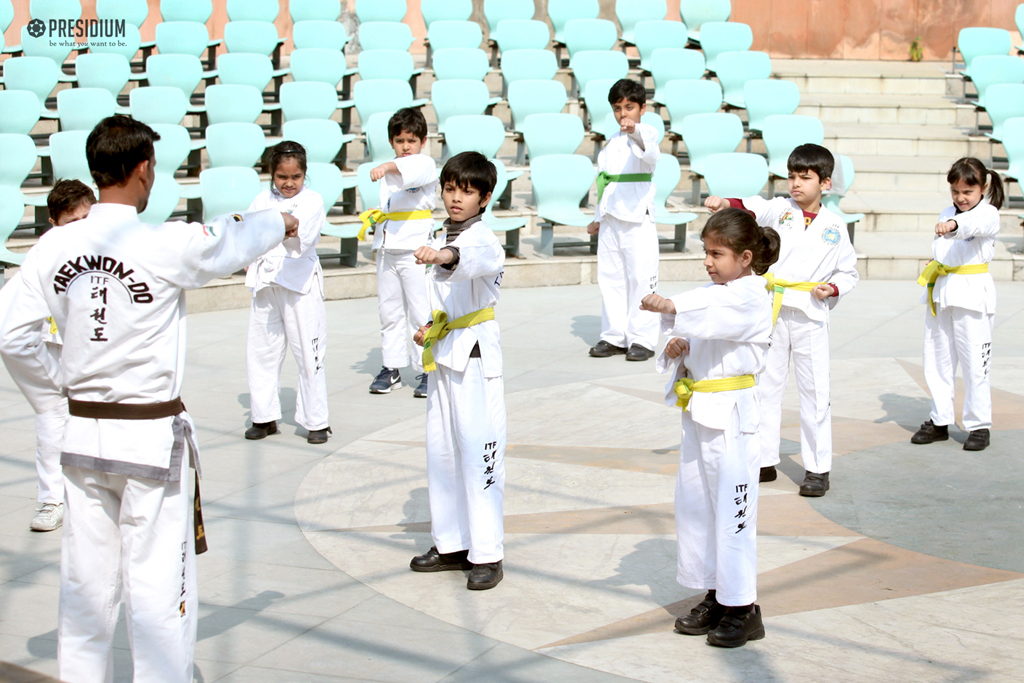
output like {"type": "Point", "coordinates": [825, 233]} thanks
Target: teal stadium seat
{"type": "Point", "coordinates": [560, 183]}
{"type": "Point", "coordinates": [765, 97]}
{"type": "Point", "coordinates": [590, 64]}
{"type": "Point", "coordinates": [536, 65]}
{"type": "Point", "coordinates": [989, 70]}
{"type": "Point", "coordinates": [241, 68]}
{"type": "Point", "coordinates": [314, 10]}
{"type": "Point", "coordinates": [227, 190]}
{"type": "Point", "coordinates": [83, 108]}
{"type": "Point", "coordinates": [683, 98]}
{"type": "Point", "coordinates": [447, 33]}
{"type": "Point", "coordinates": [631, 12]}
{"type": "Point", "coordinates": [321, 138]}
{"type": "Point", "coordinates": [546, 134]}
{"type": "Point", "coordinates": [186, 10]}
{"type": "Point", "coordinates": [67, 154]}
{"type": "Point", "coordinates": [253, 10]}
{"type": "Point", "coordinates": [595, 97]}
{"type": "Point", "coordinates": [309, 100]}
{"type": "Point", "coordinates": [183, 38]}
{"type": "Point", "coordinates": [521, 34]}
{"type": "Point", "coordinates": [385, 35]}
{"type": "Point", "coordinates": [830, 200]}
{"type": "Point", "coordinates": [321, 64]}
{"type": "Point", "coordinates": [707, 134]}
{"type": "Point", "coordinates": [255, 37]}
{"type": "Point", "coordinates": [736, 174]}
{"type": "Point", "coordinates": [724, 36]}
{"type": "Point", "coordinates": [457, 96]}
{"type": "Point", "coordinates": [126, 46]}
{"type": "Point", "coordinates": [233, 104]}
{"type": "Point", "coordinates": [1003, 101]}
{"type": "Point", "coordinates": [55, 9]}
{"type": "Point", "coordinates": [698, 13]}
{"type": "Point", "coordinates": [134, 12]}
{"type": "Point", "coordinates": [6, 14]}
{"type": "Point", "coordinates": [19, 157]}
{"type": "Point", "coordinates": [527, 97]}
{"type": "Point", "coordinates": [445, 10]}
{"type": "Point", "coordinates": [380, 10]}
{"type": "Point", "coordinates": [42, 47]}
{"type": "Point", "coordinates": [378, 139]}
{"type": "Point", "coordinates": [388, 95]}
{"type": "Point", "coordinates": [170, 150]}
{"type": "Point", "coordinates": [235, 144]}
{"type": "Point", "coordinates": [475, 133]}
{"type": "Point", "coordinates": [589, 34]}
{"type": "Point", "coordinates": [108, 71]}
{"type": "Point", "coordinates": [461, 62]}
{"type": "Point", "coordinates": [183, 72]}
{"type": "Point", "coordinates": [783, 133]}
{"type": "Point", "coordinates": [561, 12]}
{"type": "Point", "coordinates": [158, 104]}
{"type": "Point", "coordinates": [736, 68]}
{"type": "Point", "coordinates": [39, 75]}
{"type": "Point", "coordinates": [667, 175]}
{"type": "Point", "coordinates": [1018, 19]}
{"type": "Point", "coordinates": [328, 181]}
{"type": "Point", "coordinates": [1013, 143]}
{"type": "Point", "coordinates": [397, 64]}
{"type": "Point", "coordinates": [369, 190]}
{"type": "Point", "coordinates": [975, 41]}
{"type": "Point", "coordinates": [21, 112]}
{"type": "Point", "coordinates": [510, 226]}
{"type": "Point", "coordinates": [673, 64]}
{"type": "Point", "coordinates": [496, 11]}
{"type": "Point", "coordinates": [650, 35]}
{"type": "Point", "coordinates": [317, 33]}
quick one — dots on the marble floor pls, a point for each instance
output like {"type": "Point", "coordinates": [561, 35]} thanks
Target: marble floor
{"type": "Point", "coordinates": [912, 566]}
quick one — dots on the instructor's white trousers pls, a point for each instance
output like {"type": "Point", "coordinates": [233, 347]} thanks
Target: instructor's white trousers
{"type": "Point", "coordinates": [466, 461]}
{"type": "Point", "coordinates": [627, 271]}
{"type": "Point", "coordinates": [281, 318]}
{"type": "Point", "coordinates": [49, 437]}
{"type": "Point", "coordinates": [956, 336]}
{"type": "Point", "coordinates": [402, 299]}
{"type": "Point", "coordinates": [807, 341]}
{"type": "Point", "coordinates": [716, 511]}
{"type": "Point", "coordinates": [132, 538]}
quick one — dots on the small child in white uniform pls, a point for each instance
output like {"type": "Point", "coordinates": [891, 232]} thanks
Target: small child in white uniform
{"type": "Point", "coordinates": [407, 197]}
{"type": "Point", "coordinates": [627, 239]}
{"type": "Point", "coordinates": [962, 304]}
{"type": "Point", "coordinates": [466, 394]}
{"type": "Point", "coordinates": [288, 304]}
{"type": "Point", "coordinates": [719, 340]}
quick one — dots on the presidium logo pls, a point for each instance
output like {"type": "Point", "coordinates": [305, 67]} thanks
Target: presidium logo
{"type": "Point", "coordinates": [76, 28]}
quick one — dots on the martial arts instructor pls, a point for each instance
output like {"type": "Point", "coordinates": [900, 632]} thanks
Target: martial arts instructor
{"type": "Point", "coordinates": [115, 288]}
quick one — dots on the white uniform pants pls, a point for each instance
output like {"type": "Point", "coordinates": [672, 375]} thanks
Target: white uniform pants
{"type": "Point", "coordinates": [466, 461]}
{"type": "Point", "coordinates": [716, 511]}
{"type": "Point", "coordinates": [807, 340]}
{"type": "Point", "coordinates": [959, 336]}
{"type": "Point", "coordinates": [49, 437]}
{"type": "Point", "coordinates": [132, 538]}
{"type": "Point", "coordinates": [627, 271]}
{"type": "Point", "coordinates": [281, 318]}
{"type": "Point", "coordinates": [402, 298]}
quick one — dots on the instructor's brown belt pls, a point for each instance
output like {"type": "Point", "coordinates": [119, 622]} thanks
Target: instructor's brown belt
{"type": "Point", "coordinates": [125, 411]}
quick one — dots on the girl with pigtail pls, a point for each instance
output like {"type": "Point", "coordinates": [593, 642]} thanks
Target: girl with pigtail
{"type": "Point", "coordinates": [961, 298]}
{"type": "Point", "coordinates": [718, 340]}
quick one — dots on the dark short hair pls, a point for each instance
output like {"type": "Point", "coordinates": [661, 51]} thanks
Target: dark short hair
{"type": "Point", "coordinates": [116, 147]}
{"type": "Point", "coordinates": [626, 89]}
{"type": "Point", "coordinates": [811, 157]}
{"type": "Point", "coordinates": [66, 196]}
{"type": "Point", "coordinates": [470, 169]}
{"type": "Point", "coordinates": [407, 120]}
{"type": "Point", "coordinates": [286, 150]}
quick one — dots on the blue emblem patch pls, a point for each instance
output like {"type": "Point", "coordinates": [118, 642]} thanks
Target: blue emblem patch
{"type": "Point", "coordinates": [831, 236]}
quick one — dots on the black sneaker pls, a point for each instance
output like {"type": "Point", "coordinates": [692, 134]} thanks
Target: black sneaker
{"type": "Point", "coordinates": [768, 474]}
{"type": "Point", "coordinates": [702, 618]}
{"type": "Point", "coordinates": [387, 379]}
{"type": "Point", "coordinates": [433, 561]}
{"type": "Point", "coordinates": [977, 440]}
{"type": "Point", "coordinates": [421, 389]}
{"type": "Point", "coordinates": [929, 433]}
{"type": "Point", "coordinates": [637, 352]}
{"type": "Point", "coordinates": [318, 435]}
{"type": "Point", "coordinates": [814, 484]}
{"type": "Point", "coordinates": [261, 430]}
{"type": "Point", "coordinates": [737, 626]}
{"type": "Point", "coordinates": [484, 576]}
{"type": "Point", "coordinates": [603, 349]}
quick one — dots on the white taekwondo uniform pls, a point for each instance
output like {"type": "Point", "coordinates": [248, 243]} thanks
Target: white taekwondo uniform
{"type": "Point", "coordinates": [401, 282]}
{"type": "Point", "coordinates": [960, 332]}
{"type": "Point", "coordinates": [819, 252]}
{"type": "Point", "coordinates": [728, 328]}
{"type": "Point", "coordinates": [466, 401]}
{"type": "Point", "coordinates": [114, 286]}
{"type": "Point", "coordinates": [288, 311]}
{"type": "Point", "coordinates": [627, 242]}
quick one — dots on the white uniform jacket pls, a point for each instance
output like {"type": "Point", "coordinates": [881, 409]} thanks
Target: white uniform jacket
{"type": "Point", "coordinates": [729, 328]}
{"type": "Point", "coordinates": [973, 242]}
{"type": "Point", "coordinates": [472, 285]}
{"type": "Point", "coordinates": [819, 252]}
{"type": "Point", "coordinates": [629, 202]}
{"type": "Point", "coordinates": [293, 263]}
{"type": "Point", "coordinates": [114, 286]}
{"type": "Point", "coordinates": [413, 188]}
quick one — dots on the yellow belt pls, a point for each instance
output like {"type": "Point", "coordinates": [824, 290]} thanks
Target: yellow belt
{"type": "Point", "coordinates": [685, 387]}
{"type": "Point", "coordinates": [441, 327]}
{"type": "Point", "coordinates": [53, 325]}
{"type": "Point", "coordinates": [934, 270]}
{"type": "Point", "coordinates": [375, 216]}
{"type": "Point", "coordinates": [778, 287]}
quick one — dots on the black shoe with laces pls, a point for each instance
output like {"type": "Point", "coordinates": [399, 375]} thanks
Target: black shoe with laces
{"type": "Point", "coordinates": [702, 618]}
{"type": "Point", "coordinates": [737, 626]}
{"type": "Point", "coordinates": [386, 380]}
{"type": "Point", "coordinates": [421, 389]}
{"type": "Point", "coordinates": [977, 440]}
{"type": "Point", "coordinates": [603, 349]}
{"type": "Point", "coordinates": [261, 430]}
{"type": "Point", "coordinates": [930, 433]}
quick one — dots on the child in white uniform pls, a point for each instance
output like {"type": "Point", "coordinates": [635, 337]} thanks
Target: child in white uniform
{"type": "Point", "coordinates": [817, 265]}
{"type": "Point", "coordinates": [720, 335]}
{"type": "Point", "coordinates": [465, 395]}
{"type": "Point", "coordinates": [962, 304]}
{"type": "Point", "coordinates": [407, 197]}
{"type": "Point", "coordinates": [627, 239]}
{"type": "Point", "coordinates": [288, 305]}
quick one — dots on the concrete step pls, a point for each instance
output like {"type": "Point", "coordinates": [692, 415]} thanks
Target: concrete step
{"type": "Point", "coordinates": [883, 109]}
{"type": "Point", "coordinates": [865, 77]}
{"type": "Point", "coordinates": [902, 174]}
{"type": "Point", "coordinates": [917, 140]}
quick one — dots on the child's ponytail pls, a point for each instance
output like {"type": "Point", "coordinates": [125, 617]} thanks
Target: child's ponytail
{"type": "Point", "coordinates": [770, 245]}
{"type": "Point", "coordinates": [995, 190]}
{"type": "Point", "coordinates": [737, 230]}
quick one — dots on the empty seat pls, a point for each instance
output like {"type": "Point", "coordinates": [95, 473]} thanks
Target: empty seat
{"type": "Point", "coordinates": [56, 51]}
{"type": "Point", "coordinates": [320, 64]}
{"type": "Point", "coordinates": [765, 97]}
{"type": "Point", "coordinates": [449, 33]}
{"type": "Point", "coordinates": [667, 175]}
{"type": "Point", "coordinates": [170, 152]}
{"type": "Point", "coordinates": [242, 68]}
{"type": "Point", "coordinates": [546, 134]}
{"type": "Point", "coordinates": [253, 10]}
{"type": "Point", "coordinates": [697, 14]}
{"type": "Point", "coordinates": [519, 65]}
{"type": "Point", "coordinates": [36, 74]}
{"type": "Point", "coordinates": [158, 104]}
{"type": "Point", "coordinates": [650, 35]}
{"type": "Point", "coordinates": [496, 11]}
{"type": "Point", "coordinates": [989, 70]}
{"type": "Point", "coordinates": [256, 37]}
{"type": "Point", "coordinates": [1013, 143]}
{"type": "Point", "coordinates": [560, 183]}
{"type": "Point", "coordinates": [683, 98]}
{"type": "Point", "coordinates": [595, 97]}
{"type": "Point", "coordinates": [528, 97]}
{"type": "Point", "coordinates": [454, 97]}
{"type": "Point", "coordinates": [309, 100]}
{"type": "Point", "coordinates": [509, 226]}
{"type": "Point", "coordinates": [233, 104]}
{"type": "Point", "coordinates": [125, 46]}
{"type": "Point", "coordinates": [707, 134]}
{"type": "Point", "coordinates": [830, 200]}
{"type": "Point", "coordinates": [589, 34]}
{"type": "Point", "coordinates": [235, 144]}
{"type": "Point", "coordinates": [67, 155]}
{"type": "Point", "coordinates": [386, 95]}
{"type": "Point", "coordinates": [186, 10]}
{"type": "Point", "coordinates": [182, 38]}
{"type": "Point", "coordinates": [83, 108]}
{"type": "Point", "coordinates": [378, 139]}
{"type": "Point", "coordinates": [321, 138]}
{"type": "Point", "coordinates": [327, 181]}
{"type": "Point", "coordinates": [631, 12]}
{"type": "Point", "coordinates": [735, 174]}
{"type": "Point", "coordinates": [1003, 101]}
{"type": "Point", "coordinates": [108, 71]}
{"type": "Point", "coordinates": [385, 35]}
{"type": "Point", "coordinates": [46, 10]}
{"type": "Point", "coordinates": [227, 190]}
{"type": "Point", "coordinates": [783, 133]}
{"type": "Point", "coordinates": [19, 157]}
{"type": "Point", "coordinates": [724, 36]}
{"type": "Point", "coordinates": [521, 34]}
{"type": "Point", "coordinates": [21, 112]}
{"type": "Point", "coordinates": [591, 64]}
{"type": "Point", "coordinates": [317, 33]}
{"type": "Point", "coordinates": [374, 64]}
{"type": "Point", "coordinates": [380, 10]}
{"type": "Point", "coordinates": [475, 133]}
{"type": "Point", "coordinates": [445, 10]}
{"type": "Point", "coordinates": [183, 72]}
{"type": "Point", "coordinates": [314, 10]}
{"type": "Point", "coordinates": [561, 12]}
{"type": "Point", "coordinates": [977, 40]}
{"type": "Point", "coordinates": [673, 64]}
{"type": "Point", "coordinates": [736, 68]}
{"type": "Point", "coordinates": [460, 62]}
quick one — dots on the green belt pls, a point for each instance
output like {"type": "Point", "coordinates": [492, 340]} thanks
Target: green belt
{"type": "Point", "coordinates": [603, 179]}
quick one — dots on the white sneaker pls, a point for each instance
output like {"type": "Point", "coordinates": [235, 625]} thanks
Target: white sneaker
{"type": "Point", "coordinates": [49, 517]}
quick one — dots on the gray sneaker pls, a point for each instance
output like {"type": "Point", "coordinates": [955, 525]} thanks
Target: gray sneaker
{"type": "Point", "coordinates": [386, 380]}
{"type": "Point", "coordinates": [49, 517]}
{"type": "Point", "coordinates": [421, 390]}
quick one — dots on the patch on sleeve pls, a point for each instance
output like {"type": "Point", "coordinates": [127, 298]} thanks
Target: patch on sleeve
{"type": "Point", "coordinates": [237, 217]}
{"type": "Point", "coordinates": [208, 231]}
{"type": "Point", "coordinates": [830, 236]}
